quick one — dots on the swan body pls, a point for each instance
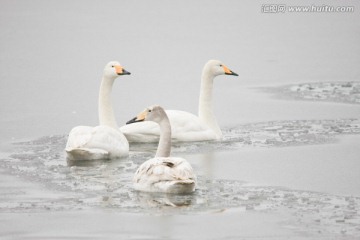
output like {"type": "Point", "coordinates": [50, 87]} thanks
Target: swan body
{"type": "Point", "coordinates": [93, 143]}
{"type": "Point", "coordinates": [185, 126]}
{"type": "Point", "coordinates": [163, 173]}
{"type": "Point", "coordinates": [105, 141]}
{"type": "Point", "coordinates": [170, 175]}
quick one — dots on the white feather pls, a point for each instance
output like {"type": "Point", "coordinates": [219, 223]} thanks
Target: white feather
{"type": "Point", "coordinates": [92, 143]}
{"type": "Point", "coordinates": [170, 175]}
{"type": "Point", "coordinates": [186, 126]}
{"type": "Point", "coordinates": [105, 141]}
{"type": "Point", "coordinates": [163, 173]}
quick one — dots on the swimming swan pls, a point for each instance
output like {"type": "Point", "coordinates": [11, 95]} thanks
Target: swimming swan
{"type": "Point", "coordinates": [163, 173]}
{"type": "Point", "coordinates": [105, 141]}
{"type": "Point", "coordinates": [186, 126]}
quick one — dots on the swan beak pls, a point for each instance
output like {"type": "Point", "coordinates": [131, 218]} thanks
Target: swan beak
{"type": "Point", "coordinates": [121, 71]}
{"type": "Point", "coordinates": [134, 120]}
{"type": "Point", "coordinates": [228, 71]}
{"type": "Point", "coordinates": [138, 118]}
{"type": "Point", "coordinates": [125, 72]}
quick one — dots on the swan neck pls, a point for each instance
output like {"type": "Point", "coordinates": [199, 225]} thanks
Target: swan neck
{"type": "Point", "coordinates": [164, 147]}
{"type": "Point", "coordinates": [106, 112]}
{"type": "Point", "coordinates": [206, 113]}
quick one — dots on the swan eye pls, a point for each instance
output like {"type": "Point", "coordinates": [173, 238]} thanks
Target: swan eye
{"type": "Point", "coordinates": [221, 65]}
{"type": "Point", "coordinates": [149, 110]}
{"type": "Point", "coordinates": [112, 66]}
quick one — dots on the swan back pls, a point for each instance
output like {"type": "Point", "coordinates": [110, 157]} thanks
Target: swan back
{"type": "Point", "coordinates": [170, 175]}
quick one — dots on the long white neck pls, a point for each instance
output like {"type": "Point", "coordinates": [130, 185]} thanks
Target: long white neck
{"type": "Point", "coordinates": [106, 112]}
{"type": "Point", "coordinates": [206, 113]}
{"type": "Point", "coordinates": [164, 147]}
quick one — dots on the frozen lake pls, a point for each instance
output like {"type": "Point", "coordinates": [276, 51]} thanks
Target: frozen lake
{"type": "Point", "coordinates": [287, 168]}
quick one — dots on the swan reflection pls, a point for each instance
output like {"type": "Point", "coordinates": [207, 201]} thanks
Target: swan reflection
{"type": "Point", "coordinates": [160, 200]}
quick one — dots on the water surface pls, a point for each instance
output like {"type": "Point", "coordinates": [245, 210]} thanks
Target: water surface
{"type": "Point", "coordinates": [286, 168]}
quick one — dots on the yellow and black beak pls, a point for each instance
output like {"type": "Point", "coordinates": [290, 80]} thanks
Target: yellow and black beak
{"type": "Point", "coordinates": [139, 118]}
{"type": "Point", "coordinates": [121, 71]}
{"type": "Point", "coordinates": [228, 71]}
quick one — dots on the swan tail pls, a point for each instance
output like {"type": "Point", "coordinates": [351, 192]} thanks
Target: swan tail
{"type": "Point", "coordinates": [86, 154]}
{"type": "Point", "coordinates": [180, 186]}
{"type": "Point", "coordinates": [175, 187]}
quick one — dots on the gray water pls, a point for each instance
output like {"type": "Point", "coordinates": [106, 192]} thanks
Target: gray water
{"type": "Point", "coordinates": [70, 187]}
{"type": "Point", "coordinates": [53, 53]}
{"type": "Point", "coordinates": [288, 163]}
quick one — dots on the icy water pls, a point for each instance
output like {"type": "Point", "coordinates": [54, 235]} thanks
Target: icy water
{"type": "Point", "coordinates": [106, 185]}
{"type": "Point", "coordinates": [348, 92]}
{"type": "Point", "coordinates": [287, 168]}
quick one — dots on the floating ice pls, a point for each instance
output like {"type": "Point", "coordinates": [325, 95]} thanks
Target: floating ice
{"type": "Point", "coordinates": [332, 91]}
{"type": "Point", "coordinates": [276, 134]}
{"type": "Point", "coordinates": [107, 184]}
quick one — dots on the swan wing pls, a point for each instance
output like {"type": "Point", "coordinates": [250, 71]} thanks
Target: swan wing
{"type": "Point", "coordinates": [165, 175]}
{"type": "Point", "coordinates": [79, 137]}
{"type": "Point", "coordinates": [184, 127]}
{"type": "Point", "coordinates": [188, 127]}
{"type": "Point", "coordinates": [141, 132]}
{"type": "Point", "coordinates": [99, 142]}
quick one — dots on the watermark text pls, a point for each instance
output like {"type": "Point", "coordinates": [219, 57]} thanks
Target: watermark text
{"type": "Point", "coordinates": [282, 8]}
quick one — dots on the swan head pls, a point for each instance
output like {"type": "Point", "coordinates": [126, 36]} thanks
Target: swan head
{"type": "Point", "coordinates": [114, 69]}
{"type": "Point", "coordinates": [216, 67]}
{"type": "Point", "coordinates": [154, 113]}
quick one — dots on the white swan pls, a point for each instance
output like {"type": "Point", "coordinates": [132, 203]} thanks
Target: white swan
{"type": "Point", "coordinates": [105, 141]}
{"type": "Point", "coordinates": [163, 173]}
{"type": "Point", "coordinates": [186, 126]}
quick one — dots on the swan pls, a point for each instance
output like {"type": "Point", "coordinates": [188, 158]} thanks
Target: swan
{"type": "Point", "coordinates": [186, 126]}
{"type": "Point", "coordinates": [106, 140]}
{"type": "Point", "coordinates": [163, 173]}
